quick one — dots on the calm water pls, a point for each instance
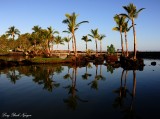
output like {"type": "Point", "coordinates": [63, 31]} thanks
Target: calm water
{"type": "Point", "coordinates": [58, 92]}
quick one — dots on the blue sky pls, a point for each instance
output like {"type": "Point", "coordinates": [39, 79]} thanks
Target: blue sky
{"type": "Point", "coordinates": [24, 14]}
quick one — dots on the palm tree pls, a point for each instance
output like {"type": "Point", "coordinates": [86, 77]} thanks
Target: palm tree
{"type": "Point", "coordinates": [71, 38]}
{"type": "Point", "coordinates": [67, 40]}
{"type": "Point", "coordinates": [101, 37]}
{"type": "Point", "coordinates": [12, 32]}
{"type": "Point", "coordinates": [58, 40]}
{"type": "Point", "coordinates": [85, 38]}
{"type": "Point", "coordinates": [51, 33]}
{"type": "Point", "coordinates": [120, 20]}
{"type": "Point", "coordinates": [72, 27]}
{"type": "Point", "coordinates": [95, 35]}
{"type": "Point", "coordinates": [36, 34]}
{"type": "Point", "coordinates": [125, 30]}
{"type": "Point", "coordinates": [132, 14]}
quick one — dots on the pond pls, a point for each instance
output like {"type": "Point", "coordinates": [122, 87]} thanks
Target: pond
{"type": "Point", "coordinates": [95, 91]}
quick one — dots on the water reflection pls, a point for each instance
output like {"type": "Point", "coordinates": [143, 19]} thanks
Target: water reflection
{"type": "Point", "coordinates": [84, 89]}
{"type": "Point", "coordinates": [13, 75]}
{"type": "Point", "coordinates": [123, 95]}
{"type": "Point", "coordinates": [73, 98]}
{"type": "Point", "coordinates": [94, 83]}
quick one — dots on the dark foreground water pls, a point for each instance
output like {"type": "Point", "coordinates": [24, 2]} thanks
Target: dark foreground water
{"type": "Point", "coordinates": [91, 92]}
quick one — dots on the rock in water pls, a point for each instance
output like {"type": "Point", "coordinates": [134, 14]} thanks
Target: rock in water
{"type": "Point", "coordinates": [153, 63]}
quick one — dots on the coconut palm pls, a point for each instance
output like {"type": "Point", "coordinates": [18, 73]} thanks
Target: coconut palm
{"type": "Point", "coordinates": [73, 26]}
{"type": "Point", "coordinates": [95, 35]}
{"type": "Point", "coordinates": [85, 38]}
{"type": "Point", "coordinates": [36, 34]}
{"type": "Point", "coordinates": [125, 30]}
{"type": "Point", "coordinates": [12, 32]}
{"type": "Point", "coordinates": [67, 40]}
{"type": "Point", "coordinates": [101, 37]}
{"type": "Point", "coordinates": [132, 14]}
{"type": "Point", "coordinates": [58, 40]}
{"type": "Point", "coordinates": [120, 20]}
{"type": "Point", "coordinates": [51, 33]}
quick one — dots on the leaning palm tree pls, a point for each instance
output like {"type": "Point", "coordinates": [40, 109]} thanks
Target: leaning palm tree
{"type": "Point", "coordinates": [12, 32]}
{"type": "Point", "coordinates": [101, 37]}
{"type": "Point", "coordinates": [67, 40]}
{"type": "Point", "coordinates": [120, 20]}
{"type": "Point", "coordinates": [72, 27]}
{"type": "Point", "coordinates": [85, 38]}
{"type": "Point", "coordinates": [58, 40]}
{"type": "Point", "coordinates": [94, 34]}
{"type": "Point", "coordinates": [132, 14]}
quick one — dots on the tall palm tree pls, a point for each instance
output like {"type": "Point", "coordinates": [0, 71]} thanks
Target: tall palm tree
{"type": "Point", "coordinates": [95, 35]}
{"type": "Point", "coordinates": [58, 40]}
{"type": "Point", "coordinates": [85, 38]}
{"type": "Point", "coordinates": [73, 26]}
{"type": "Point", "coordinates": [12, 32]}
{"type": "Point", "coordinates": [101, 37]}
{"type": "Point", "coordinates": [67, 40]}
{"type": "Point", "coordinates": [120, 20]}
{"type": "Point", "coordinates": [132, 14]}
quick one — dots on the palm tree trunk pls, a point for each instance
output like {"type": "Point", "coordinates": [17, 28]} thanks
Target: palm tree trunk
{"type": "Point", "coordinates": [72, 43]}
{"type": "Point", "coordinates": [134, 83]}
{"type": "Point", "coordinates": [68, 48]}
{"type": "Point", "coordinates": [100, 46]}
{"type": "Point", "coordinates": [75, 45]}
{"type": "Point", "coordinates": [96, 48]}
{"type": "Point", "coordinates": [86, 46]}
{"type": "Point", "coordinates": [126, 43]}
{"type": "Point", "coordinates": [135, 42]}
{"type": "Point", "coordinates": [122, 42]}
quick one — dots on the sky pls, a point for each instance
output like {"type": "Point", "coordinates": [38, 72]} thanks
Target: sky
{"type": "Point", "coordinates": [24, 14]}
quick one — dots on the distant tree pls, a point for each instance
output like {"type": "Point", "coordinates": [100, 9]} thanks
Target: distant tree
{"type": "Point", "coordinates": [111, 49]}
{"type": "Point", "coordinates": [58, 40]}
{"type": "Point", "coordinates": [12, 32]}
{"type": "Point", "coordinates": [95, 35]}
{"type": "Point", "coordinates": [85, 38]}
{"type": "Point", "coordinates": [67, 40]}
{"type": "Point", "coordinates": [101, 37]}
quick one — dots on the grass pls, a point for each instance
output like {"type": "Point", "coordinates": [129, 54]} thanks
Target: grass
{"type": "Point", "coordinates": [49, 60]}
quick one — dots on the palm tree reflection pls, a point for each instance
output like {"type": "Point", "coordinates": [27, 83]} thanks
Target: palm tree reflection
{"type": "Point", "coordinates": [13, 75]}
{"type": "Point", "coordinates": [44, 76]}
{"type": "Point", "coordinates": [94, 83]}
{"type": "Point", "coordinates": [86, 75]}
{"type": "Point", "coordinates": [129, 112]}
{"type": "Point", "coordinates": [72, 100]}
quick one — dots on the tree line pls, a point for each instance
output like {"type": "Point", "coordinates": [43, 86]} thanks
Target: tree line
{"type": "Point", "coordinates": [45, 39]}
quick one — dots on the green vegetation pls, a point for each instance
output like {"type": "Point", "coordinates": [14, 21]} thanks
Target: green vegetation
{"type": "Point", "coordinates": [111, 49]}
{"type": "Point", "coordinates": [49, 60]}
